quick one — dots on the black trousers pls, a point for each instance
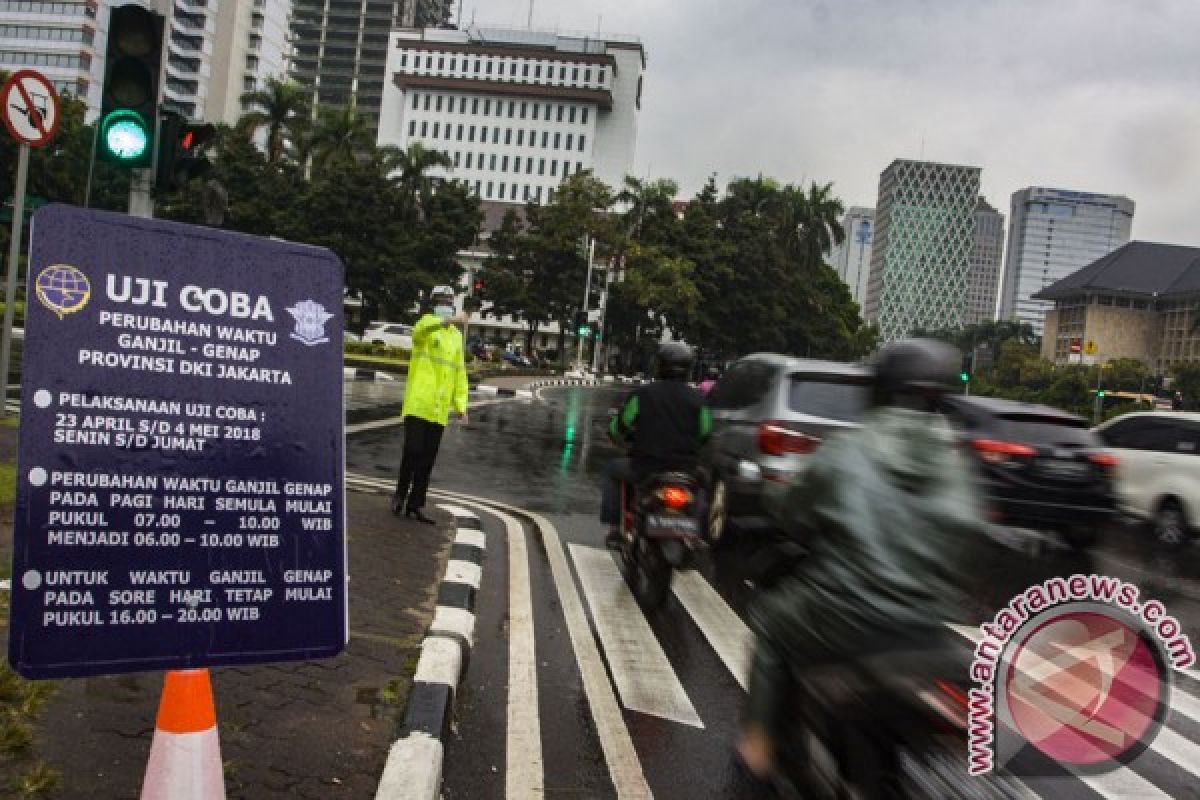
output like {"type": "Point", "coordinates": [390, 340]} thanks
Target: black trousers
{"type": "Point", "coordinates": [422, 439]}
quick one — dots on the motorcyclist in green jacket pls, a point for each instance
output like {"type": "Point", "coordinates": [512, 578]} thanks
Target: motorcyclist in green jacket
{"type": "Point", "coordinates": [888, 514]}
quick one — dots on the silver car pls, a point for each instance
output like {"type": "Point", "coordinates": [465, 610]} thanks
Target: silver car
{"type": "Point", "coordinates": [770, 413]}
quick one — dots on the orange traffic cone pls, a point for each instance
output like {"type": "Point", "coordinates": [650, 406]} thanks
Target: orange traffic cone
{"type": "Point", "coordinates": [185, 757]}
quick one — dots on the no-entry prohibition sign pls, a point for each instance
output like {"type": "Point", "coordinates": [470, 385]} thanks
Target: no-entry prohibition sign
{"type": "Point", "coordinates": [29, 106]}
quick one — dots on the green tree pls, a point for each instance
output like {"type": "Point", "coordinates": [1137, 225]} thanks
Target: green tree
{"type": "Point", "coordinates": [282, 108]}
{"type": "Point", "coordinates": [340, 136]}
{"type": "Point", "coordinates": [1186, 380]}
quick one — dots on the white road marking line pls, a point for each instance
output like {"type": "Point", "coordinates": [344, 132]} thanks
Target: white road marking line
{"type": "Point", "coordinates": [645, 679]}
{"type": "Point", "coordinates": [458, 511]}
{"type": "Point", "coordinates": [1122, 784]}
{"type": "Point", "coordinates": [463, 572]}
{"type": "Point", "coordinates": [729, 636]}
{"type": "Point", "coordinates": [471, 538]}
{"type": "Point", "coordinates": [624, 768]}
{"type": "Point", "coordinates": [524, 774]}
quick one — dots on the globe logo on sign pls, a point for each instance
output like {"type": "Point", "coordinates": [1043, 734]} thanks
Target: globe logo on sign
{"type": "Point", "coordinates": [63, 289]}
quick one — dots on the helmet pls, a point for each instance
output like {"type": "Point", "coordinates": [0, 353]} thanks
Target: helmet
{"type": "Point", "coordinates": [675, 361]}
{"type": "Point", "coordinates": [441, 291]}
{"type": "Point", "coordinates": [918, 368]}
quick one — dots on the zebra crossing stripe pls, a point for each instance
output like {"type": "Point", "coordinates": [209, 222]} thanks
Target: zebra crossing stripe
{"type": "Point", "coordinates": [729, 636]}
{"type": "Point", "coordinates": [644, 677]}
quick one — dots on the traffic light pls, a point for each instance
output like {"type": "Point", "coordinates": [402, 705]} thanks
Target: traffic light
{"type": "Point", "coordinates": [582, 328]}
{"type": "Point", "coordinates": [181, 151]}
{"type": "Point", "coordinates": [129, 104]}
{"type": "Point", "coordinates": [1100, 393]}
{"type": "Point", "coordinates": [595, 330]}
{"type": "Point", "coordinates": [965, 374]}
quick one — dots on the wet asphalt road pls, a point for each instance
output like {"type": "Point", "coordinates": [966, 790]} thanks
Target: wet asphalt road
{"type": "Point", "coordinates": [547, 456]}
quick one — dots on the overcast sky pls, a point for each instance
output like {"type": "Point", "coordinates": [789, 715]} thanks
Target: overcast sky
{"type": "Point", "coordinates": [1094, 95]}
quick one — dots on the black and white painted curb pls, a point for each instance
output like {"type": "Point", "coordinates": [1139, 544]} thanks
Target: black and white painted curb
{"type": "Point", "coordinates": [414, 764]}
{"type": "Point", "coordinates": [495, 391]}
{"type": "Point", "coordinates": [361, 374]}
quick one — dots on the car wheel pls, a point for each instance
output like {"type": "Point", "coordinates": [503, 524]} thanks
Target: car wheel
{"type": "Point", "coordinates": [1171, 525]}
{"type": "Point", "coordinates": [718, 514]}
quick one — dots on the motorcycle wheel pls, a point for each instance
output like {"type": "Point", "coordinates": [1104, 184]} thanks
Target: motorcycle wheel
{"type": "Point", "coordinates": [651, 573]}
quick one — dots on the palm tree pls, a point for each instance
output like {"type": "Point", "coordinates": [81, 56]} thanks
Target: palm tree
{"type": "Point", "coordinates": [816, 215]}
{"type": "Point", "coordinates": [408, 170]}
{"type": "Point", "coordinates": [282, 108]}
{"type": "Point", "coordinates": [341, 135]}
{"type": "Point", "coordinates": [646, 201]}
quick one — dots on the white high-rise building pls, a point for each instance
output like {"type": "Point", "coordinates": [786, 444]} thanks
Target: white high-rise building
{"type": "Point", "coordinates": [63, 40]}
{"type": "Point", "coordinates": [516, 110]}
{"type": "Point", "coordinates": [1051, 234]}
{"type": "Point", "coordinates": [214, 51]}
{"type": "Point", "coordinates": [852, 258]}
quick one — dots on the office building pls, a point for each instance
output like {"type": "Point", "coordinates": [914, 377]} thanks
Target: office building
{"type": "Point", "coordinates": [852, 258]}
{"type": "Point", "coordinates": [340, 47]}
{"type": "Point", "coordinates": [1139, 301]}
{"type": "Point", "coordinates": [63, 40]}
{"type": "Point", "coordinates": [921, 256]}
{"type": "Point", "coordinates": [516, 110]}
{"type": "Point", "coordinates": [986, 262]}
{"type": "Point", "coordinates": [1052, 233]}
{"type": "Point", "coordinates": [214, 50]}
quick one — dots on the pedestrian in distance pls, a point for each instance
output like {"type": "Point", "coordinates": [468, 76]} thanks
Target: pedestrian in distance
{"type": "Point", "coordinates": [437, 385]}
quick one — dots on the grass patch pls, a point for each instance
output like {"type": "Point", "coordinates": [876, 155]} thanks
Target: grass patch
{"type": "Point", "coordinates": [38, 781]}
{"type": "Point", "coordinates": [8, 485]}
{"type": "Point", "coordinates": [8, 421]}
{"type": "Point", "coordinates": [21, 703]}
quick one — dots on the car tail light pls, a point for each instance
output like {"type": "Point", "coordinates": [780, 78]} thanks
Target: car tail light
{"type": "Point", "coordinates": [776, 440]}
{"type": "Point", "coordinates": [1004, 454]}
{"type": "Point", "coordinates": [675, 497]}
{"type": "Point", "coordinates": [1106, 460]}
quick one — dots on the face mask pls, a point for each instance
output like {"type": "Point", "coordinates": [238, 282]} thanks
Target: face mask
{"type": "Point", "coordinates": [443, 312]}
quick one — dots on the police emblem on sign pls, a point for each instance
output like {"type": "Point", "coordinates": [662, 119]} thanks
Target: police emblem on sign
{"type": "Point", "coordinates": [310, 322]}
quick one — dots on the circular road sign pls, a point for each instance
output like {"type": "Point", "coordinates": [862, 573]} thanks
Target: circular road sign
{"type": "Point", "coordinates": [29, 106]}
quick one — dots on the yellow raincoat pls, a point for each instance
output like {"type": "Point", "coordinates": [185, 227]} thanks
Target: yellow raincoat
{"type": "Point", "coordinates": [437, 374]}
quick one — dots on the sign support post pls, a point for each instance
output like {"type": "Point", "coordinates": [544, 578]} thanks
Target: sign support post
{"type": "Point", "coordinates": [10, 285]}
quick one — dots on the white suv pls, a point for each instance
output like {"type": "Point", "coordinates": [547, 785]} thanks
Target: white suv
{"type": "Point", "coordinates": [1158, 477]}
{"type": "Point", "coordinates": [391, 334]}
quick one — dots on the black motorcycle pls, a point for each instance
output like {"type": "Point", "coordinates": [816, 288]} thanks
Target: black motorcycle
{"type": "Point", "coordinates": [892, 725]}
{"type": "Point", "coordinates": [660, 530]}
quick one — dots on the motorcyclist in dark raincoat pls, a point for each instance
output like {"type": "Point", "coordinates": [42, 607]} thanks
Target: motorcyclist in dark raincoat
{"type": "Point", "coordinates": [889, 516]}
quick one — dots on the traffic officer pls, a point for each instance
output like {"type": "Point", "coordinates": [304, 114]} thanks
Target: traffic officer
{"type": "Point", "coordinates": [437, 384]}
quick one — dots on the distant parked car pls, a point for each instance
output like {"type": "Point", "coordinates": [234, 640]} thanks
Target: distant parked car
{"type": "Point", "coordinates": [770, 413]}
{"type": "Point", "coordinates": [1041, 468]}
{"type": "Point", "coordinates": [391, 334]}
{"type": "Point", "coordinates": [1158, 478]}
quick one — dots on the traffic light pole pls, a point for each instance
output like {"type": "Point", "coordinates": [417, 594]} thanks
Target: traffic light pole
{"type": "Point", "coordinates": [587, 291]}
{"type": "Point", "coordinates": [596, 364]}
{"type": "Point", "coordinates": [10, 286]}
{"type": "Point", "coordinates": [141, 201]}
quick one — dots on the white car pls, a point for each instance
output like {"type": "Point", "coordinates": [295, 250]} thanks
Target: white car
{"type": "Point", "coordinates": [1158, 477]}
{"type": "Point", "coordinates": [392, 334]}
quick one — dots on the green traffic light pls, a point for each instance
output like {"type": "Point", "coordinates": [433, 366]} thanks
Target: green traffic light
{"type": "Point", "coordinates": [1100, 393]}
{"type": "Point", "coordinates": [125, 135]}
{"type": "Point", "coordinates": [964, 376]}
{"type": "Point", "coordinates": [583, 330]}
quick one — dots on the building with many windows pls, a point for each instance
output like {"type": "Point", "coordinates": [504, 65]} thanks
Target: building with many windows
{"type": "Point", "coordinates": [1140, 301]}
{"type": "Point", "coordinates": [516, 110]}
{"type": "Point", "coordinates": [1052, 233]}
{"type": "Point", "coordinates": [63, 40]}
{"type": "Point", "coordinates": [852, 258]}
{"type": "Point", "coordinates": [986, 261]}
{"type": "Point", "coordinates": [924, 237]}
{"type": "Point", "coordinates": [215, 49]}
{"type": "Point", "coordinates": [340, 47]}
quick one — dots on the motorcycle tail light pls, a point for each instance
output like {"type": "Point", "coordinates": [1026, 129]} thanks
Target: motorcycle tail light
{"type": "Point", "coordinates": [1003, 454]}
{"type": "Point", "coordinates": [776, 440]}
{"type": "Point", "coordinates": [675, 497]}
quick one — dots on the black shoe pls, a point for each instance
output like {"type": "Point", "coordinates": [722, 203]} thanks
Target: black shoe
{"type": "Point", "coordinates": [420, 516]}
{"type": "Point", "coordinates": [397, 505]}
{"type": "Point", "coordinates": [614, 539]}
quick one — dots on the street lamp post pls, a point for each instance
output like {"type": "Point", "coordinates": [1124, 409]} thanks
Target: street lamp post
{"type": "Point", "coordinates": [587, 290]}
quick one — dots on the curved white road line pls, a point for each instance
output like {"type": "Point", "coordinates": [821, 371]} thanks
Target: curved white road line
{"type": "Point", "coordinates": [624, 767]}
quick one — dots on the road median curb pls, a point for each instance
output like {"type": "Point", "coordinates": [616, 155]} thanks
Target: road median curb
{"type": "Point", "coordinates": [414, 764]}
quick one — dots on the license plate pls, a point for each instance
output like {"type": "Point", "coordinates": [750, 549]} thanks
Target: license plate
{"type": "Point", "coordinates": [1064, 469]}
{"type": "Point", "coordinates": [671, 525]}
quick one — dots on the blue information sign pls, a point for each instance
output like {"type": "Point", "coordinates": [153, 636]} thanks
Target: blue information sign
{"type": "Point", "coordinates": [180, 475]}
